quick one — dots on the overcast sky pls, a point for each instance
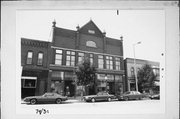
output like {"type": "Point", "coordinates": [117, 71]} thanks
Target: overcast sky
{"type": "Point", "coordinates": [147, 26]}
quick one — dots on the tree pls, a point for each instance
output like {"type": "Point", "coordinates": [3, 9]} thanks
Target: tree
{"type": "Point", "coordinates": [85, 73]}
{"type": "Point", "coordinates": [146, 78]}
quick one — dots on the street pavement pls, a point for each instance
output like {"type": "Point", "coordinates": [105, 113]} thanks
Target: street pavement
{"type": "Point", "coordinates": [73, 106]}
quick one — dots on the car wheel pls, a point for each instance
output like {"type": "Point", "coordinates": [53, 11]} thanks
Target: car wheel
{"type": "Point", "coordinates": [109, 99]}
{"type": "Point", "coordinates": [33, 101]}
{"type": "Point", "coordinates": [58, 101]}
{"type": "Point", "coordinates": [92, 100]}
{"type": "Point", "coordinates": [126, 98]}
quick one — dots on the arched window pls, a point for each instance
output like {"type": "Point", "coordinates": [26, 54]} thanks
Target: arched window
{"type": "Point", "coordinates": [29, 57]}
{"type": "Point", "coordinates": [40, 58]}
{"type": "Point", "coordinates": [91, 44]}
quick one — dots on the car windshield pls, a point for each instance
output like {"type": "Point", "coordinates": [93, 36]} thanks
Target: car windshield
{"type": "Point", "coordinates": [48, 94]}
{"type": "Point", "coordinates": [127, 93]}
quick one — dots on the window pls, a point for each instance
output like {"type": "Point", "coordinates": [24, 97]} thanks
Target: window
{"type": "Point", "coordinates": [91, 57]}
{"type": "Point", "coordinates": [80, 56]}
{"type": "Point", "coordinates": [91, 31]}
{"type": "Point", "coordinates": [100, 62]}
{"type": "Point", "coordinates": [109, 62]}
{"type": "Point", "coordinates": [70, 58]}
{"type": "Point", "coordinates": [132, 71]}
{"type": "Point", "coordinates": [40, 58]}
{"type": "Point", "coordinates": [117, 63]}
{"type": "Point", "coordinates": [29, 83]}
{"type": "Point", "coordinates": [91, 44]}
{"type": "Point", "coordinates": [29, 57]}
{"type": "Point", "coordinates": [58, 57]}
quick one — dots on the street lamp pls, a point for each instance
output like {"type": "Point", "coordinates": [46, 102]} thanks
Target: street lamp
{"type": "Point", "coordinates": [106, 82]}
{"type": "Point", "coordinates": [135, 64]}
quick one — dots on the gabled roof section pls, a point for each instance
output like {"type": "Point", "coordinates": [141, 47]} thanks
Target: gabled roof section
{"type": "Point", "coordinates": [64, 32]}
{"type": "Point", "coordinates": [91, 29]}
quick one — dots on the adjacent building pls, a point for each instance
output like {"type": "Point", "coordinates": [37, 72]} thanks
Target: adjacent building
{"type": "Point", "coordinates": [130, 72]}
{"type": "Point", "coordinates": [50, 66]}
{"type": "Point", "coordinates": [35, 67]}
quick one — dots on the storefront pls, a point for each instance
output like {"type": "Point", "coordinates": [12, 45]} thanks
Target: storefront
{"type": "Point", "coordinates": [28, 86]}
{"type": "Point", "coordinates": [110, 83]}
{"type": "Point", "coordinates": [63, 83]}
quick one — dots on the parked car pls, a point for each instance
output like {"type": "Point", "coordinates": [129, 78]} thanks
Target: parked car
{"type": "Point", "coordinates": [101, 96]}
{"type": "Point", "coordinates": [154, 96]}
{"type": "Point", "coordinates": [47, 97]}
{"type": "Point", "coordinates": [129, 95]}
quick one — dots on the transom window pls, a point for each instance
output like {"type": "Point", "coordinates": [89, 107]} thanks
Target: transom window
{"type": "Point", "coordinates": [29, 57]}
{"type": "Point", "coordinates": [100, 62]}
{"type": "Point", "coordinates": [58, 57]}
{"type": "Point", "coordinates": [118, 63]}
{"type": "Point", "coordinates": [109, 62]}
{"type": "Point", "coordinates": [70, 58]}
{"type": "Point", "coordinates": [40, 58]}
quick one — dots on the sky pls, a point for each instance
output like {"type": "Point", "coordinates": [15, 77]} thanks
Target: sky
{"type": "Point", "coordinates": [145, 26]}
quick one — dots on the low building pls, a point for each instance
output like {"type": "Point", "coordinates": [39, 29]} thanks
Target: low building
{"type": "Point", "coordinates": [130, 72]}
{"type": "Point", "coordinates": [34, 62]}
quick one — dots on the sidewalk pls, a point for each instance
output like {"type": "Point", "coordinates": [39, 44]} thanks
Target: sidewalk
{"type": "Point", "coordinates": [75, 99]}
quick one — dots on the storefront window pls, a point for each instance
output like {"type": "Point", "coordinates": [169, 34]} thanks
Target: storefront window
{"type": "Point", "coordinates": [58, 57]}
{"type": "Point", "coordinates": [58, 75]}
{"type": "Point", "coordinates": [70, 58]}
{"type": "Point", "coordinates": [28, 83]}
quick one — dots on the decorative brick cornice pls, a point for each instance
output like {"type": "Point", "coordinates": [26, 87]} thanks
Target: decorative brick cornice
{"type": "Point", "coordinates": [34, 43]}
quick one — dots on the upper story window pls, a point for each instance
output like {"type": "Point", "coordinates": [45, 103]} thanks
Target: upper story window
{"type": "Point", "coordinates": [29, 57]}
{"type": "Point", "coordinates": [117, 63]}
{"type": "Point", "coordinates": [70, 58]}
{"type": "Point", "coordinates": [100, 61]}
{"type": "Point", "coordinates": [91, 31]}
{"type": "Point", "coordinates": [40, 58]}
{"type": "Point", "coordinates": [91, 58]}
{"type": "Point", "coordinates": [132, 71]}
{"type": "Point", "coordinates": [109, 62]}
{"type": "Point", "coordinates": [80, 56]}
{"type": "Point", "coordinates": [58, 57]}
{"type": "Point", "coordinates": [91, 44]}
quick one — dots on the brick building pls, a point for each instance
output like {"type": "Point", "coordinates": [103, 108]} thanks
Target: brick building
{"type": "Point", "coordinates": [34, 62]}
{"type": "Point", "coordinates": [130, 71]}
{"type": "Point", "coordinates": [67, 49]}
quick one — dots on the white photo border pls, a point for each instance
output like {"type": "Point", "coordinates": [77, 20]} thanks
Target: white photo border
{"type": "Point", "coordinates": [11, 61]}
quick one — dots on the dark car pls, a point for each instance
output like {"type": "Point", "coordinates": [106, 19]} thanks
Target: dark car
{"type": "Point", "coordinates": [101, 96]}
{"type": "Point", "coordinates": [130, 95]}
{"type": "Point", "coordinates": [46, 98]}
{"type": "Point", "coordinates": [154, 96]}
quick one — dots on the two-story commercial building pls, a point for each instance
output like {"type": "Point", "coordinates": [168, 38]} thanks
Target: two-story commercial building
{"type": "Point", "coordinates": [130, 71]}
{"type": "Point", "coordinates": [50, 66]}
{"type": "Point", "coordinates": [34, 62]}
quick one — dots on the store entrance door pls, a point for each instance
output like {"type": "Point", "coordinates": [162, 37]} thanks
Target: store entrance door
{"type": "Point", "coordinates": [69, 88]}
